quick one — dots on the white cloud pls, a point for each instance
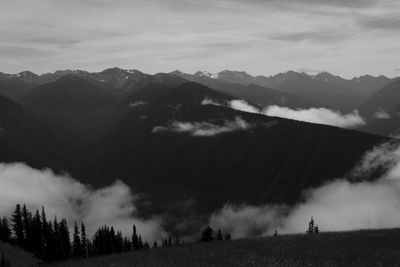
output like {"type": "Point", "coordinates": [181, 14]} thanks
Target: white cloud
{"type": "Point", "coordinates": [137, 104]}
{"type": "Point", "coordinates": [65, 197]}
{"type": "Point", "coordinates": [204, 129]}
{"type": "Point", "coordinates": [381, 114]}
{"type": "Point", "coordinates": [243, 106]}
{"type": "Point", "coordinates": [336, 206]}
{"type": "Point", "coordinates": [317, 115]}
{"type": "Point", "coordinates": [313, 115]}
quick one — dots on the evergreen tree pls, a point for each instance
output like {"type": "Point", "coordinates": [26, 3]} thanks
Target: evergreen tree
{"type": "Point", "coordinates": [37, 235]}
{"type": "Point", "coordinates": [164, 242]}
{"type": "Point", "coordinates": [64, 239]}
{"type": "Point", "coordinates": [127, 245]}
{"type": "Point", "coordinates": [57, 239]}
{"type": "Point", "coordinates": [135, 239]}
{"type": "Point", "coordinates": [84, 241]}
{"type": "Point", "coordinates": [5, 231]}
{"type": "Point", "coordinates": [219, 235]}
{"type": "Point", "coordinates": [207, 234]}
{"type": "Point", "coordinates": [27, 225]}
{"type": "Point", "coordinates": [140, 242]}
{"type": "Point", "coordinates": [310, 229]}
{"type": "Point", "coordinates": [276, 232]}
{"type": "Point", "coordinates": [76, 243]}
{"type": "Point", "coordinates": [316, 229]}
{"type": "Point", "coordinates": [227, 236]}
{"type": "Point", "coordinates": [155, 244]}
{"type": "Point", "coordinates": [45, 246]}
{"type": "Point", "coordinates": [51, 243]}
{"type": "Point", "coordinates": [17, 226]}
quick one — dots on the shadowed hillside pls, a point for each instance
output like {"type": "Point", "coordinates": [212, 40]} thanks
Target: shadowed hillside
{"type": "Point", "coordinates": [271, 160]}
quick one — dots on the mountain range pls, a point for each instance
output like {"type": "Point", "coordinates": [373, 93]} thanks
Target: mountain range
{"type": "Point", "coordinates": [186, 156]}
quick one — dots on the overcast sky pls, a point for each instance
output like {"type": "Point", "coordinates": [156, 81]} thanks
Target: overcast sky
{"type": "Point", "coordinates": [345, 37]}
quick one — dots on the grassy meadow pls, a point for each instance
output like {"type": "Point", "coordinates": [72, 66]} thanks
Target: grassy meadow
{"type": "Point", "coordinates": [359, 248]}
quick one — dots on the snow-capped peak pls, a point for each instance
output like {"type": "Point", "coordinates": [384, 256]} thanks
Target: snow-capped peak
{"type": "Point", "coordinates": [208, 74]}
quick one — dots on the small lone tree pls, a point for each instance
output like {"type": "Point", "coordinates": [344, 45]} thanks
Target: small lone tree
{"type": "Point", "coordinates": [310, 229]}
{"type": "Point", "coordinates": [219, 235]}
{"type": "Point", "coordinates": [276, 232]}
{"type": "Point", "coordinates": [316, 229]}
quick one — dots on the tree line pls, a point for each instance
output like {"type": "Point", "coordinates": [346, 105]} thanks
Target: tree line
{"type": "Point", "coordinates": [50, 240]}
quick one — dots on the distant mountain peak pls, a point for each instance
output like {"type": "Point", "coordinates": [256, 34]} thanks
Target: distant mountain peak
{"type": "Point", "coordinates": [207, 74]}
{"type": "Point", "coordinates": [326, 77]}
{"type": "Point", "coordinates": [27, 74]}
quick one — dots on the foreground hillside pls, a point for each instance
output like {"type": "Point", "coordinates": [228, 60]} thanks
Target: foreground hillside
{"type": "Point", "coordinates": [16, 256]}
{"type": "Point", "coordinates": [360, 248]}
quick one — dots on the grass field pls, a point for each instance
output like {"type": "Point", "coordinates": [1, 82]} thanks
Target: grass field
{"type": "Point", "coordinates": [360, 248]}
{"type": "Point", "coordinates": [17, 257]}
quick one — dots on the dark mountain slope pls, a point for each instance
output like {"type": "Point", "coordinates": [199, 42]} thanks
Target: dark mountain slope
{"type": "Point", "coordinates": [24, 138]}
{"type": "Point", "coordinates": [332, 95]}
{"type": "Point", "coordinates": [12, 89]}
{"type": "Point", "coordinates": [73, 104]}
{"type": "Point", "coordinates": [385, 99]}
{"type": "Point", "coordinates": [272, 161]}
{"type": "Point", "coordinates": [382, 111]}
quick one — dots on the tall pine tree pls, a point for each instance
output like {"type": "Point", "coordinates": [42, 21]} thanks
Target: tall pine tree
{"type": "Point", "coordinates": [76, 243]}
{"type": "Point", "coordinates": [17, 226]}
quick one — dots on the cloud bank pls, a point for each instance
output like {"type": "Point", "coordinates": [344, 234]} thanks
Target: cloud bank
{"type": "Point", "coordinates": [337, 206]}
{"type": "Point", "coordinates": [317, 115]}
{"type": "Point", "coordinates": [312, 115]}
{"type": "Point", "coordinates": [65, 197]}
{"type": "Point", "coordinates": [204, 128]}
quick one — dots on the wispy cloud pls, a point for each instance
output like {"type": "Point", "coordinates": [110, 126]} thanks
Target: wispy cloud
{"type": "Point", "coordinates": [204, 129]}
{"type": "Point", "coordinates": [317, 115]}
{"type": "Point", "coordinates": [323, 35]}
{"type": "Point", "coordinates": [381, 114]}
{"type": "Point", "coordinates": [137, 104]}
{"type": "Point", "coordinates": [384, 21]}
{"type": "Point", "coordinates": [313, 115]}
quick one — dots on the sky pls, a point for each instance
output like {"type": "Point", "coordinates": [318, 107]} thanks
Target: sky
{"type": "Point", "coordinates": [262, 37]}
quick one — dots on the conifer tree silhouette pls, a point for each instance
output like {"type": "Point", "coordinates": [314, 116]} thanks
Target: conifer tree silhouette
{"type": "Point", "coordinates": [17, 226]}
{"type": "Point", "coordinates": [84, 241]}
{"type": "Point", "coordinates": [76, 242]}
